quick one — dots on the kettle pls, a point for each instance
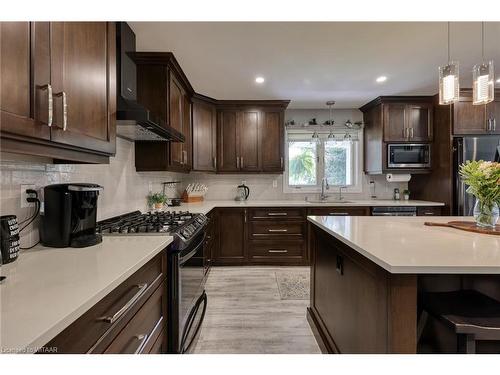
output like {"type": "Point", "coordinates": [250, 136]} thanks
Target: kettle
{"type": "Point", "coordinates": [243, 193]}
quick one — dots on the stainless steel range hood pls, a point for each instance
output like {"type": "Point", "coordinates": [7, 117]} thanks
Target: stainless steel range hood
{"type": "Point", "coordinates": [133, 121]}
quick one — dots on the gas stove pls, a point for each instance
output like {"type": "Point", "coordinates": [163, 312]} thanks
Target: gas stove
{"type": "Point", "coordinates": [182, 224]}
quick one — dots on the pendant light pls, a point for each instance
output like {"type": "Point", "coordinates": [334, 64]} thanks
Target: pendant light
{"type": "Point", "coordinates": [330, 105]}
{"type": "Point", "coordinates": [449, 87]}
{"type": "Point", "coordinates": [316, 137]}
{"type": "Point", "coordinates": [483, 78]}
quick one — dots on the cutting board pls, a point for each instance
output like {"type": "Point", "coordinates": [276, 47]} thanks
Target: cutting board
{"type": "Point", "coordinates": [466, 225]}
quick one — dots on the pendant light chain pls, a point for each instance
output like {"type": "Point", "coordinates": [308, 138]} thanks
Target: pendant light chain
{"type": "Point", "coordinates": [448, 41]}
{"type": "Point", "coordinates": [482, 40]}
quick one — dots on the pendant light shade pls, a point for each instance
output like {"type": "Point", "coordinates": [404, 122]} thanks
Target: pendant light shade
{"type": "Point", "coordinates": [449, 87]}
{"type": "Point", "coordinates": [483, 81]}
{"type": "Point", "coordinates": [483, 78]}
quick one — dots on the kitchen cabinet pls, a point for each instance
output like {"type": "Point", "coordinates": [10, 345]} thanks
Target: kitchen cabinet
{"type": "Point", "coordinates": [407, 122]}
{"type": "Point", "coordinates": [356, 306]}
{"type": "Point", "coordinates": [429, 211]}
{"type": "Point", "coordinates": [204, 136]}
{"type": "Point", "coordinates": [163, 88]}
{"type": "Point", "coordinates": [231, 233]}
{"type": "Point", "coordinates": [46, 93]}
{"type": "Point", "coordinates": [130, 319]}
{"type": "Point", "coordinates": [395, 119]}
{"type": "Point", "coordinates": [250, 137]}
{"type": "Point", "coordinates": [339, 211]}
{"type": "Point", "coordinates": [211, 240]}
{"type": "Point", "coordinates": [273, 142]}
{"type": "Point", "coordinates": [469, 119]}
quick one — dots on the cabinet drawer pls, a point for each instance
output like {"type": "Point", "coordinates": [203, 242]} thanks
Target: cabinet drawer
{"type": "Point", "coordinates": [339, 211]}
{"type": "Point", "coordinates": [95, 329]}
{"type": "Point", "coordinates": [276, 249]}
{"type": "Point", "coordinates": [428, 211]}
{"type": "Point", "coordinates": [142, 330]}
{"type": "Point", "coordinates": [277, 213]}
{"type": "Point", "coordinates": [270, 229]}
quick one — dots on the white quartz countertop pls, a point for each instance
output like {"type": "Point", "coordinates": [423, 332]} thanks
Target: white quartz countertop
{"type": "Point", "coordinates": [47, 289]}
{"type": "Point", "coordinates": [205, 206]}
{"type": "Point", "coordinates": [406, 245]}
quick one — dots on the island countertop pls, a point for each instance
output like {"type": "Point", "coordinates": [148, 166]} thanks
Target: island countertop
{"type": "Point", "coordinates": [47, 289]}
{"type": "Point", "coordinates": [404, 245]}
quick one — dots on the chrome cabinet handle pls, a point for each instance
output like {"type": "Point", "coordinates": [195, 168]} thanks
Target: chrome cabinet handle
{"type": "Point", "coordinates": [214, 162]}
{"type": "Point", "coordinates": [281, 161]}
{"type": "Point", "coordinates": [494, 124]}
{"type": "Point", "coordinates": [241, 161]}
{"type": "Point", "coordinates": [245, 215]}
{"type": "Point", "coordinates": [50, 103]}
{"type": "Point", "coordinates": [404, 133]}
{"type": "Point", "coordinates": [277, 251]}
{"type": "Point", "coordinates": [411, 133]}
{"type": "Point", "coordinates": [488, 125]}
{"type": "Point", "coordinates": [142, 341]}
{"type": "Point", "coordinates": [65, 108]}
{"type": "Point", "coordinates": [277, 230]}
{"type": "Point", "coordinates": [128, 305]}
{"type": "Point", "coordinates": [339, 214]}
{"type": "Point", "coordinates": [277, 214]}
{"type": "Point", "coordinates": [184, 156]}
{"type": "Point", "coordinates": [237, 162]}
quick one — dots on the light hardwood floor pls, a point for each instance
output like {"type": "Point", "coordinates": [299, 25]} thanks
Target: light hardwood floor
{"type": "Point", "coordinates": [246, 315]}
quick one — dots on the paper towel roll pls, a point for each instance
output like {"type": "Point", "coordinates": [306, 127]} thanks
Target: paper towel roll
{"type": "Point", "coordinates": [398, 177]}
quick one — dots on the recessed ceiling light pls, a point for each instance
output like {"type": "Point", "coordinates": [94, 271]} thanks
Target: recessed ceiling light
{"type": "Point", "coordinates": [381, 79]}
{"type": "Point", "coordinates": [259, 79]}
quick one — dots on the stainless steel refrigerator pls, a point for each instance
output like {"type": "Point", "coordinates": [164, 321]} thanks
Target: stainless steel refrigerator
{"type": "Point", "coordinates": [485, 148]}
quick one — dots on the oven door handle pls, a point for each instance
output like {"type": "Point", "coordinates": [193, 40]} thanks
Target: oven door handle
{"type": "Point", "coordinates": [189, 255]}
{"type": "Point", "coordinates": [187, 328]}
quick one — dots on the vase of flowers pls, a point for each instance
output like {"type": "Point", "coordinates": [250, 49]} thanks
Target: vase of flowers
{"type": "Point", "coordinates": [483, 180]}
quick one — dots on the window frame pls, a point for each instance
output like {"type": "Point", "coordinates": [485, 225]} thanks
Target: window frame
{"type": "Point", "coordinates": [306, 135]}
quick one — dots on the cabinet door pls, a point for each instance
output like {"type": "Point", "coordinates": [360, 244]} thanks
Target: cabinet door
{"type": "Point", "coordinates": [25, 72]}
{"type": "Point", "coordinates": [231, 223]}
{"type": "Point", "coordinates": [187, 157]}
{"type": "Point", "coordinates": [83, 72]}
{"type": "Point", "coordinates": [204, 137]}
{"type": "Point", "coordinates": [493, 115]}
{"type": "Point", "coordinates": [272, 135]}
{"type": "Point", "coordinates": [395, 122]}
{"type": "Point", "coordinates": [468, 118]}
{"type": "Point", "coordinates": [228, 142]}
{"type": "Point", "coordinates": [419, 118]}
{"type": "Point", "coordinates": [249, 140]}
{"type": "Point", "coordinates": [176, 109]}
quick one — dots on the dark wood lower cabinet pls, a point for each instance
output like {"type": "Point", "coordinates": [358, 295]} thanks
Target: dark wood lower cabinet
{"type": "Point", "coordinates": [231, 249]}
{"type": "Point", "coordinates": [356, 306]}
{"type": "Point", "coordinates": [106, 328]}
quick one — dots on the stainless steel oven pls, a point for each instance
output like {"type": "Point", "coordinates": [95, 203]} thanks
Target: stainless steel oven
{"type": "Point", "coordinates": [408, 155]}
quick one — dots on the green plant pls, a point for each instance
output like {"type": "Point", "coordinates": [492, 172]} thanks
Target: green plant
{"type": "Point", "coordinates": [156, 198]}
{"type": "Point", "coordinates": [302, 166]}
{"type": "Point", "coordinates": [483, 180]}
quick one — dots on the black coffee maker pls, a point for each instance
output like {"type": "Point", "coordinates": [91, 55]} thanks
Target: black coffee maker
{"type": "Point", "coordinates": [69, 215]}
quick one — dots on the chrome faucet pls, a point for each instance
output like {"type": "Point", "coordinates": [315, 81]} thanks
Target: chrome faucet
{"type": "Point", "coordinates": [324, 186]}
{"type": "Point", "coordinates": [340, 192]}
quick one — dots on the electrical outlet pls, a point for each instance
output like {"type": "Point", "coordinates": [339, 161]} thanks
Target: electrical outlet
{"type": "Point", "coordinates": [150, 186]}
{"type": "Point", "coordinates": [275, 184]}
{"type": "Point", "coordinates": [24, 195]}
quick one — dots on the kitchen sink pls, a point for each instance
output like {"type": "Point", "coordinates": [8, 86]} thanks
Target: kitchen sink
{"type": "Point", "coordinates": [326, 201]}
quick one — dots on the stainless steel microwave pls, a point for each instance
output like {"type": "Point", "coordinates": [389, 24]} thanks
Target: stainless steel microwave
{"type": "Point", "coordinates": [408, 155]}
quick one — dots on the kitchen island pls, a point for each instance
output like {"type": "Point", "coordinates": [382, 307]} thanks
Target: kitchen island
{"type": "Point", "coordinates": [366, 273]}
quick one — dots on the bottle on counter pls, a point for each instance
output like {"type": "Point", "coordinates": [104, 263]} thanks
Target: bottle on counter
{"type": "Point", "coordinates": [396, 194]}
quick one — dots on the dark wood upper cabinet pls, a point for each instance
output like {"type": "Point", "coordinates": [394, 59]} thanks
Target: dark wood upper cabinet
{"type": "Point", "coordinates": [469, 119]}
{"type": "Point", "coordinates": [249, 139]}
{"type": "Point", "coordinates": [24, 99]}
{"type": "Point", "coordinates": [405, 122]}
{"type": "Point", "coordinates": [204, 136]}
{"type": "Point", "coordinates": [272, 145]}
{"type": "Point", "coordinates": [46, 65]}
{"type": "Point", "coordinates": [163, 88]}
{"type": "Point", "coordinates": [394, 122]}
{"type": "Point", "coordinates": [228, 141]}
{"type": "Point", "coordinates": [81, 53]}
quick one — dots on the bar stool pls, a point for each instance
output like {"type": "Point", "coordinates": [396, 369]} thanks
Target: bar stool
{"type": "Point", "coordinates": [472, 315]}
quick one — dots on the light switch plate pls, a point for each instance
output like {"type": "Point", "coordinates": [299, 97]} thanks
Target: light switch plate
{"type": "Point", "coordinates": [24, 195]}
{"type": "Point", "coordinates": [275, 184]}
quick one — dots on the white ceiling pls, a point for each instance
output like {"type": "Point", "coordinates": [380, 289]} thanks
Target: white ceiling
{"type": "Point", "coordinates": [311, 63]}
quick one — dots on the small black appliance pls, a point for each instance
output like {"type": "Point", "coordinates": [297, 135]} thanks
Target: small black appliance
{"type": "Point", "coordinates": [69, 215]}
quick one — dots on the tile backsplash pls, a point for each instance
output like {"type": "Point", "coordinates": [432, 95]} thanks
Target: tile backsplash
{"type": "Point", "coordinates": [124, 189]}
